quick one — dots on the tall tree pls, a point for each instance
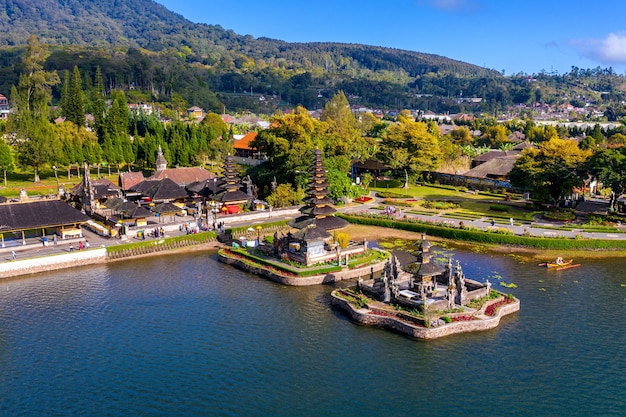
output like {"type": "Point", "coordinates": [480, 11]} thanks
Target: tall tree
{"type": "Point", "coordinates": [609, 166]}
{"type": "Point", "coordinates": [411, 147]}
{"type": "Point", "coordinates": [551, 171]}
{"type": "Point", "coordinates": [6, 159]}
{"type": "Point", "coordinates": [75, 112]}
{"type": "Point", "coordinates": [99, 104]}
{"type": "Point", "coordinates": [35, 134]}
{"type": "Point", "coordinates": [35, 83]}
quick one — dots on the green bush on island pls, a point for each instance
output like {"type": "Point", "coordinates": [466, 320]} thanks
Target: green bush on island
{"type": "Point", "coordinates": [367, 258]}
{"type": "Point", "coordinates": [277, 265]}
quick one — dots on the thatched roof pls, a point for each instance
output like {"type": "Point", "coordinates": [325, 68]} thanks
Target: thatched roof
{"type": "Point", "coordinates": [38, 214]}
{"type": "Point", "coordinates": [166, 208]}
{"type": "Point", "coordinates": [160, 190]}
{"type": "Point", "coordinates": [311, 233]}
{"type": "Point", "coordinates": [494, 168]}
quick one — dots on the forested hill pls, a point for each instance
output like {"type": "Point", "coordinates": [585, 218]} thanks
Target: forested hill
{"type": "Point", "coordinates": [160, 56]}
{"type": "Point", "coordinates": [149, 25]}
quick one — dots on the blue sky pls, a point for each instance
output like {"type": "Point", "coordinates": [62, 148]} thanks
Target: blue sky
{"type": "Point", "coordinates": [509, 35]}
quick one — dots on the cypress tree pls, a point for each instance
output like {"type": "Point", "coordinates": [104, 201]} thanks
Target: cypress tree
{"type": "Point", "coordinates": [76, 103]}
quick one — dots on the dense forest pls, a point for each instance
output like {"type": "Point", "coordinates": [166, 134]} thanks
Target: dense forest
{"type": "Point", "coordinates": [141, 46]}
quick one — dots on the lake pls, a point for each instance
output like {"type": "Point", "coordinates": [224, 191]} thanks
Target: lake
{"type": "Point", "coordinates": [185, 335]}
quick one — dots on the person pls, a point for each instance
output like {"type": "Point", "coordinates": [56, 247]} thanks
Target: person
{"type": "Point", "coordinates": [71, 248]}
{"type": "Point", "coordinates": [80, 245]}
{"type": "Point", "coordinates": [87, 245]}
{"type": "Point", "coordinates": [54, 239]}
{"type": "Point", "coordinates": [493, 223]}
{"type": "Point", "coordinates": [13, 255]}
{"type": "Point", "coordinates": [559, 261]}
{"type": "Point", "coordinates": [511, 221]}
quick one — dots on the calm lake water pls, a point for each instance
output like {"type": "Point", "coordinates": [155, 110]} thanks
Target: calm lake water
{"type": "Point", "coordinates": [187, 336]}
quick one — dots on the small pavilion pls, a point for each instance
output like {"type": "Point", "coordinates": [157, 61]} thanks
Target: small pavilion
{"type": "Point", "coordinates": [39, 219]}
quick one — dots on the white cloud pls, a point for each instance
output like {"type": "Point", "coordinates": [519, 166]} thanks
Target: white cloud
{"type": "Point", "coordinates": [610, 50]}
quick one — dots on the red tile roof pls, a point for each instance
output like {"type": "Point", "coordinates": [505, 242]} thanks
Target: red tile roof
{"type": "Point", "coordinates": [244, 143]}
{"type": "Point", "coordinates": [183, 176]}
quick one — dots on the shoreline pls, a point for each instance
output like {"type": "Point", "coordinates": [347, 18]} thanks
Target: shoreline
{"type": "Point", "coordinates": [368, 317]}
{"type": "Point", "coordinates": [375, 233]}
{"type": "Point", "coordinates": [29, 266]}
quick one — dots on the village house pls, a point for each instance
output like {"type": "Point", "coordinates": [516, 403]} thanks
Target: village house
{"type": "Point", "coordinates": [4, 107]}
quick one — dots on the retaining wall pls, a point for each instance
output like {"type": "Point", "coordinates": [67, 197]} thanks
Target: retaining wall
{"type": "Point", "coordinates": [363, 316]}
{"type": "Point", "coordinates": [302, 281]}
{"type": "Point", "coordinates": [52, 262]}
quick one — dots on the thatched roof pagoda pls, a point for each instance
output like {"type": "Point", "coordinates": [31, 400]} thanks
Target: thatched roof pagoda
{"type": "Point", "coordinates": [318, 212]}
{"type": "Point", "coordinates": [232, 185]}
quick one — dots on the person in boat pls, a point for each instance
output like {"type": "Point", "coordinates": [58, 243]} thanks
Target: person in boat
{"type": "Point", "coordinates": [559, 261]}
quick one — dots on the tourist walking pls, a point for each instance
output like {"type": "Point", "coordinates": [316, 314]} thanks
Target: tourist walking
{"type": "Point", "coordinates": [511, 221]}
{"type": "Point", "coordinates": [13, 255]}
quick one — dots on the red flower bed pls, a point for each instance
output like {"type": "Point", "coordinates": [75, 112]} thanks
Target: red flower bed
{"type": "Point", "coordinates": [491, 309]}
{"type": "Point", "coordinates": [463, 318]}
{"type": "Point", "coordinates": [363, 199]}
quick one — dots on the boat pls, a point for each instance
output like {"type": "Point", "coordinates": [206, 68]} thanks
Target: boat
{"type": "Point", "coordinates": [557, 263]}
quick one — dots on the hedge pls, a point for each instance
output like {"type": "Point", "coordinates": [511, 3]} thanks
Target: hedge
{"type": "Point", "coordinates": [198, 238]}
{"type": "Point", "coordinates": [483, 237]}
{"type": "Point", "coordinates": [277, 265]}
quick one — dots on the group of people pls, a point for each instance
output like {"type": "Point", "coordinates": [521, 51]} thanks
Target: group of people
{"type": "Point", "coordinates": [81, 245]}
{"type": "Point", "coordinates": [390, 210]}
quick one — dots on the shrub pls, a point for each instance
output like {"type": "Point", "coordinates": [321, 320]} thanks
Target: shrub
{"type": "Point", "coordinates": [560, 215]}
{"type": "Point", "coordinates": [446, 319]}
{"type": "Point", "coordinates": [439, 205]}
{"type": "Point", "coordinates": [498, 207]}
{"type": "Point", "coordinates": [343, 239]}
{"type": "Point", "coordinates": [391, 194]}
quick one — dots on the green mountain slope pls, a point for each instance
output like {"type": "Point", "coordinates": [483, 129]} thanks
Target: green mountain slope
{"type": "Point", "coordinates": [148, 25]}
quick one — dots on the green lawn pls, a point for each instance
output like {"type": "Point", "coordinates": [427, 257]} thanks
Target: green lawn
{"type": "Point", "coordinates": [47, 185]}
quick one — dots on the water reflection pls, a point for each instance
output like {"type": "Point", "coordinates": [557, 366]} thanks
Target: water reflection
{"type": "Point", "coordinates": [186, 335]}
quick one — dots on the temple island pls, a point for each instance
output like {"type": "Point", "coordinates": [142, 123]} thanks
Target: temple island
{"type": "Point", "coordinates": [314, 250]}
{"type": "Point", "coordinates": [424, 300]}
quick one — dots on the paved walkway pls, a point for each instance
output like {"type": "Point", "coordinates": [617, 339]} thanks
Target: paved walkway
{"type": "Point", "coordinates": [538, 228]}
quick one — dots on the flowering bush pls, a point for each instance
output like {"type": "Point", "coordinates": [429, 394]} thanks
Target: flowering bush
{"type": "Point", "coordinates": [491, 309]}
{"type": "Point", "coordinates": [363, 199]}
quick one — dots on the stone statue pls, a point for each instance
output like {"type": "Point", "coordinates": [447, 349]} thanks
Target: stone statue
{"type": "Point", "coordinates": [249, 187]}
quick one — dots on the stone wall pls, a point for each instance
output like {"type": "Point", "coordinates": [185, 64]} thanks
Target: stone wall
{"type": "Point", "coordinates": [365, 317]}
{"type": "Point", "coordinates": [302, 281]}
{"type": "Point", "coordinates": [53, 262]}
